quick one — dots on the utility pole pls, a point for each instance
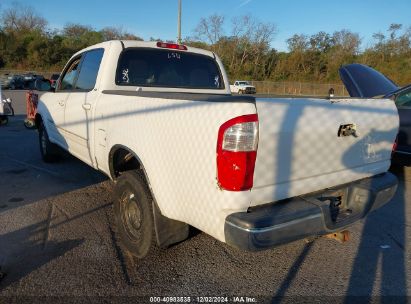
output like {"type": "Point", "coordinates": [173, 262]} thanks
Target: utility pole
{"type": "Point", "coordinates": [179, 23]}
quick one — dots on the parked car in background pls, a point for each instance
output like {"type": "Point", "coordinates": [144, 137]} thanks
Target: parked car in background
{"type": "Point", "coordinates": [363, 81]}
{"type": "Point", "coordinates": [53, 80]}
{"type": "Point", "coordinates": [13, 82]}
{"type": "Point", "coordinates": [3, 79]}
{"type": "Point", "coordinates": [402, 98]}
{"type": "Point", "coordinates": [242, 87]}
{"type": "Point", "coordinates": [30, 78]}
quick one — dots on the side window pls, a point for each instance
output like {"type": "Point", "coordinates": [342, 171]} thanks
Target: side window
{"type": "Point", "coordinates": [89, 70]}
{"type": "Point", "coordinates": [404, 100]}
{"type": "Point", "coordinates": [70, 75]}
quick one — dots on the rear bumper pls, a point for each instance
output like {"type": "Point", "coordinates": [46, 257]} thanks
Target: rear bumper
{"type": "Point", "coordinates": [321, 213]}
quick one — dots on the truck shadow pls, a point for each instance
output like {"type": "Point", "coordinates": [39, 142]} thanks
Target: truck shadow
{"type": "Point", "coordinates": [25, 178]}
{"type": "Point", "coordinates": [286, 283]}
{"type": "Point", "coordinates": [381, 252]}
{"type": "Point", "coordinates": [380, 257]}
{"type": "Point", "coordinates": [25, 250]}
{"type": "Point", "coordinates": [364, 272]}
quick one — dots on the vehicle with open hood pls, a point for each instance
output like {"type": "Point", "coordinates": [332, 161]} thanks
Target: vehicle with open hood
{"type": "Point", "coordinates": [365, 82]}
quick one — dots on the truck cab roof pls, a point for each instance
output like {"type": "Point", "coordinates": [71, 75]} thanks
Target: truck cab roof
{"type": "Point", "coordinates": [141, 44]}
{"type": "Point", "coordinates": [155, 66]}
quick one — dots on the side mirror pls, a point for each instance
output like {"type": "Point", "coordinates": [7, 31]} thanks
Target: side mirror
{"type": "Point", "coordinates": [42, 85]}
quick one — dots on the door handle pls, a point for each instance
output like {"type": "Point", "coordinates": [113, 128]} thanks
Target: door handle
{"type": "Point", "coordinates": [86, 106]}
{"type": "Point", "coordinates": [61, 102]}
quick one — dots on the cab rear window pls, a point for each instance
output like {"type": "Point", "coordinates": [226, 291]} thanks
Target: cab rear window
{"type": "Point", "coordinates": [167, 68]}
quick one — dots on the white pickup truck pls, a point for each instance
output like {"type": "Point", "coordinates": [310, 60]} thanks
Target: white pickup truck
{"type": "Point", "coordinates": [242, 87]}
{"type": "Point", "coordinates": [159, 119]}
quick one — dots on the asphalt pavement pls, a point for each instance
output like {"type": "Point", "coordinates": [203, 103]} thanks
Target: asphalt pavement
{"type": "Point", "coordinates": [56, 241]}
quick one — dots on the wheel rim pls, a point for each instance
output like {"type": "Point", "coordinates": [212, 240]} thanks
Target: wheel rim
{"type": "Point", "coordinates": [132, 215]}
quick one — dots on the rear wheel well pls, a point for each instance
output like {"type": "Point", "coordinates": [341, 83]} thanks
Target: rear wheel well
{"type": "Point", "coordinates": [121, 160]}
{"type": "Point", "coordinates": [168, 231]}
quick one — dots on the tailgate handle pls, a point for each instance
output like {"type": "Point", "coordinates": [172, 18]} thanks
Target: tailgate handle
{"type": "Point", "coordinates": [347, 130]}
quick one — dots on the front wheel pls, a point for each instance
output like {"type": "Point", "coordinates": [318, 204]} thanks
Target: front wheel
{"type": "Point", "coordinates": [48, 150]}
{"type": "Point", "coordinates": [133, 215]}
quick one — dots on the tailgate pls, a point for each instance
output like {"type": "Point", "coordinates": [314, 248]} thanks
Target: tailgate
{"type": "Point", "coordinates": [303, 147]}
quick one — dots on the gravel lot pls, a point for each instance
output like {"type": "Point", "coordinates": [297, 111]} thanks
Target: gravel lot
{"type": "Point", "coordinates": [56, 240]}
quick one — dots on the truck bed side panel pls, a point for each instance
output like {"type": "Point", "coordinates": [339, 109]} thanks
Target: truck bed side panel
{"type": "Point", "coordinates": [176, 142]}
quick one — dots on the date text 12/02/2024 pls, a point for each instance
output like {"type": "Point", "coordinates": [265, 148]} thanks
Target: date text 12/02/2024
{"type": "Point", "coordinates": [200, 299]}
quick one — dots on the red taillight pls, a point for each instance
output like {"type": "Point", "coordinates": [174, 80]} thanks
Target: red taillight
{"type": "Point", "coordinates": [173, 46]}
{"type": "Point", "coordinates": [394, 146]}
{"type": "Point", "coordinates": [236, 153]}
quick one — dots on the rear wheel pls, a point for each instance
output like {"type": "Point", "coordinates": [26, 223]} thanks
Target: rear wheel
{"type": "Point", "coordinates": [133, 215]}
{"type": "Point", "coordinates": [48, 150]}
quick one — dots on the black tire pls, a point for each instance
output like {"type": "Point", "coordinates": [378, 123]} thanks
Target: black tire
{"type": "Point", "coordinates": [133, 215]}
{"type": "Point", "coordinates": [48, 150]}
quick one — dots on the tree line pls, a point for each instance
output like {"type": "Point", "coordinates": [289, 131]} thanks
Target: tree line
{"type": "Point", "coordinates": [246, 52]}
{"type": "Point", "coordinates": [26, 43]}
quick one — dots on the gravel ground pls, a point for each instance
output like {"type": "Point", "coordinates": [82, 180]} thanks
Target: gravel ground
{"type": "Point", "coordinates": [56, 241]}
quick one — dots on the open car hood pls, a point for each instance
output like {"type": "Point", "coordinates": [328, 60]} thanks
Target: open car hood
{"type": "Point", "coordinates": [362, 81]}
